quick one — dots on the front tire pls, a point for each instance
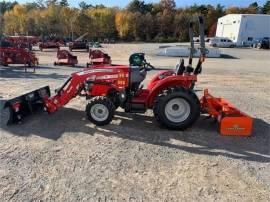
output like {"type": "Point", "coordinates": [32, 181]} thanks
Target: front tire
{"type": "Point", "coordinates": [177, 108]}
{"type": "Point", "coordinates": [100, 110]}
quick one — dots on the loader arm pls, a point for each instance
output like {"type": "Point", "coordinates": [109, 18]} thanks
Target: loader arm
{"type": "Point", "coordinates": [71, 88]}
{"type": "Point", "coordinates": [78, 84]}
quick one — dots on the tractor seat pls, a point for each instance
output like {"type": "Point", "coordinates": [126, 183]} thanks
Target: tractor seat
{"type": "Point", "coordinates": [180, 68]}
{"type": "Point", "coordinates": [137, 76]}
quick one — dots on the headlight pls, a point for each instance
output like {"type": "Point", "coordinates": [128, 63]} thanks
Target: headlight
{"type": "Point", "coordinates": [162, 76]}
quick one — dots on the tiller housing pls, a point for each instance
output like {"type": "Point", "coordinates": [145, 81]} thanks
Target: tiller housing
{"type": "Point", "coordinates": [231, 120]}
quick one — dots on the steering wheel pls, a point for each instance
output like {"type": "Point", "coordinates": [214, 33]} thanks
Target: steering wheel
{"type": "Point", "coordinates": [147, 66]}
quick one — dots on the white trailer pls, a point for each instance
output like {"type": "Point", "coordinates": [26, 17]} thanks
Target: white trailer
{"type": "Point", "coordinates": [243, 28]}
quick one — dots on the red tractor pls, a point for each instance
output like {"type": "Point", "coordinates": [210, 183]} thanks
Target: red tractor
{"type": "Point", "coordinates": [169, 95]}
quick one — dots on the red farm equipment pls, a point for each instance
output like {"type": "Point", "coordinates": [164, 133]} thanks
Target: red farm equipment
{"type": "Point", "coordinates": [98, 57]}
{"type": "Point", "coordinates": [79, 43]}
{"type": "Point", "coordinates": [76, 45]}
{"type": "Point", "coordinates": [13, 55]}
{"type": "Point", "coordinates": [64, 57]}
{"type": "Point", "coordinates": [22, 41]}
{"type": "Point", "coordinates": [169, 94]}
{"type": "Point", "coordinates": [51, 44]}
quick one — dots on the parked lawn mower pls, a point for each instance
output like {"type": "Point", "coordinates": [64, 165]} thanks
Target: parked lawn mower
{"type": "Point", "coordinates": [66, 58]}
{"type": "Point", "coordinates": [13, 55]}
{"type": "Point", "coordinates": [98, 57]}
{"type": "Point", "coordinates": [169, 95]}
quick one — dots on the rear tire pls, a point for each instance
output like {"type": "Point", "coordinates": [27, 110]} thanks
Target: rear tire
{"type": "Point", "coordinates": [177, 108]}
{"type": "Point", "coordinates": [100, 110]}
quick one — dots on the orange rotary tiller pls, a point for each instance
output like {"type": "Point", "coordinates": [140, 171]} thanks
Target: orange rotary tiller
{"type": "Point", "coordinates": [232, 121]}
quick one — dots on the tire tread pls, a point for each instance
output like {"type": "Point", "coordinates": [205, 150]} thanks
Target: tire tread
{"type": "Point", "coordinates": [104, 100]}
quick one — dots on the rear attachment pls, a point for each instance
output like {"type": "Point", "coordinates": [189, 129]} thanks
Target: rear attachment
{"type": "Point", "coordinates": [232, 122]}
{"type": "Point", "coordinates": [26, 104]}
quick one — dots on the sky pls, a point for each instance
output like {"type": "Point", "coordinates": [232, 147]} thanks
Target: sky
{"type": "Point", "coordinates": [179, 3]}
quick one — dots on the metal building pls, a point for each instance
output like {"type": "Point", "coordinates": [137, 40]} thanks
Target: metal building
{"type": "Point", "coordinates": [243, 28]}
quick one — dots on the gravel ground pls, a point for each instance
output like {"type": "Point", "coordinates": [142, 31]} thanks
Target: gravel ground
{"type": "Point", "coordinates": [63, 157]}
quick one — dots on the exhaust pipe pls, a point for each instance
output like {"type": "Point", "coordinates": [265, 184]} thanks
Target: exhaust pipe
{"type": "Point", "coordinates": [27, 104]}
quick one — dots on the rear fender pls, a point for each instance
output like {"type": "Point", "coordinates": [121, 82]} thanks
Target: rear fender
{"type": "Point", "coordinates": [159, 77]}
{"type": "Point", "coordinates": [171, 81]}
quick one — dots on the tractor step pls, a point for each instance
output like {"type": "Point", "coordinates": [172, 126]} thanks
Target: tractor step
{"type": "Point", "coordinates": [232, 121]}
{"type": "Point", "coordinates": [26, 104]}
{"type": "Point", "coordinates": [135, 108]}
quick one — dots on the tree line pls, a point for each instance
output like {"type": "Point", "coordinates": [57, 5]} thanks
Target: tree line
{"type": "Point", "coordinates": [139, 21]}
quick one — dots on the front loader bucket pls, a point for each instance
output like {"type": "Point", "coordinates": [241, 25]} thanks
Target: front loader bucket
{"type": "Point", "coordinates": [232, 122]}
{"type": "Point", "coordinates": [26, 104]}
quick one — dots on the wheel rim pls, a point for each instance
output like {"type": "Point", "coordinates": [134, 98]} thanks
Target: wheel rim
{"type": "Point", "coordinates": [99, 112]}
{"type": "Point", "coordinates": [177, 110]}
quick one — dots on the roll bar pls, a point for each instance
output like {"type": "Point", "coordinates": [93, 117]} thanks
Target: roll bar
{"type": "Point", "coordinates": [198, 68]}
